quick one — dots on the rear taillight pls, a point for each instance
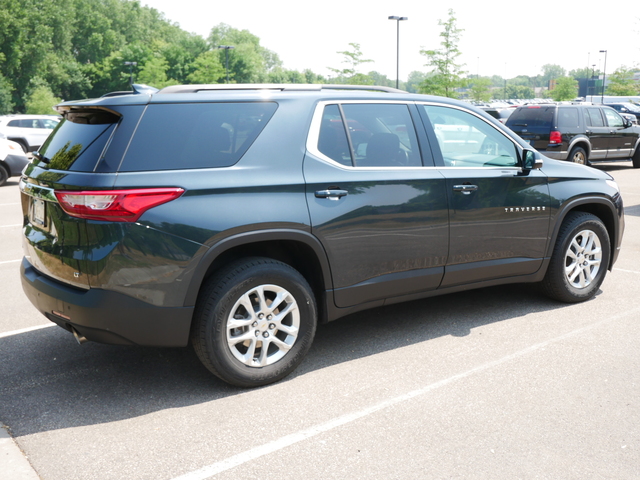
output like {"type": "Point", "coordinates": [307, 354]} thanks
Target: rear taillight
{"type": "Point", "coordinates": [555, 137]}
{"type": "Point", "coordinates": [115, 205]}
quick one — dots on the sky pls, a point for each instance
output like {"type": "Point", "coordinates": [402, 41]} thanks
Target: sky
{"type": "Point", "coordinates": [500, 37]}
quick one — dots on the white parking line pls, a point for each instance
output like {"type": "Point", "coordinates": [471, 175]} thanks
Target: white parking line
{"type": "Point", "coordinates": [7, 204]}
{"type": "Point", "coordinates": [10, 261]}
{"type": "Point", "coordinates": [14, 225]}
{"type": "Point", "coordinates": [25, 330]}
{"type": "Point", "coordinates": [623, 270]}
{"type": "Point", "coordinates": [288, 440]}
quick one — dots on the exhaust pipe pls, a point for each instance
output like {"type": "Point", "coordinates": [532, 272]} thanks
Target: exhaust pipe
{"type": "Point", "coordinates": [79, 338]}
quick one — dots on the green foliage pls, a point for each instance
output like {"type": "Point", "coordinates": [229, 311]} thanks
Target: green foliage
{"type": "Point", "coordinates": [40, 100]}
{"type": "Point", "coordinates": [350, 75]}
{"type": "Point", "coordinates": [551, 72]}
{"type": "Point", "coordinates": [621, 82]}
{"type": "Point", "coordinates": [447, 75]}
{"type": "Point", "coordinates": [566, 89]}
{"type": "Point", "coordinates": [480, 90]}
{"type": "Point", "coordinates": [6, 104]}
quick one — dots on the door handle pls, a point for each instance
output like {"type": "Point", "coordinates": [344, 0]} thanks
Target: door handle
{"type": "Point", "coordinates": [331, 194]}
{"type": "Point", "coordinates": [465, 189]}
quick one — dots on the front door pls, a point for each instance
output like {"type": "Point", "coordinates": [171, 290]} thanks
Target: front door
{"type": "Point", "coordinates": [499, 215]}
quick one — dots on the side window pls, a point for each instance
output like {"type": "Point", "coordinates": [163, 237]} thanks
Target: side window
{"type": "Point", "coordinates": [613, 119]}
{"type": "Point", "coordinates": [382, 135]}
{"type": "Point", "coordinates": [379, 135]}
{"type": "Point", "coordinates": [468, 141]}
{"type": "Point", "coordinates": [332, 140]}
{"type": "Point", "coordinates": [568, 118]}
{"type": "Point", "coordinates": [198, 135]}
{"type": "Point", "coordinates": [594, 117]}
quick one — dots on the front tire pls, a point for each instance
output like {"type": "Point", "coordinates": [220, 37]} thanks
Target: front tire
{"type": "Point", "coordinates": [254, 322]}
{"type": "Point", "coordinates": [636, 158]}
{"type": "Point", "coordinates": [580, 259]}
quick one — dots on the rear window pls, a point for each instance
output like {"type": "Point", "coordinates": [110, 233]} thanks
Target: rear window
{"type": "Point", "coordinates": [199, 135]}
{"type": "Point", "coordinates": [532, 117]}
{"type": "Point", "coordinates": [79, 140]}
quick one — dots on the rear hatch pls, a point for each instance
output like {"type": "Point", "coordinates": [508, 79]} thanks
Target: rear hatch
{"type": "Point", "coordinates": [55, 243]}
{"type": "Point", "coordinates": [533, 123]}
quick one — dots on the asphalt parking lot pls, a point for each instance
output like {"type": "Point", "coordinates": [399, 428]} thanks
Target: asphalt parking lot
{"type": "Point", "coordinates": [499, 383]}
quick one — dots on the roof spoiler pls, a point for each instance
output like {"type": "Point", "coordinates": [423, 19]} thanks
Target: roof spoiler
{"type": "Point", "coordinates": [137, 89]}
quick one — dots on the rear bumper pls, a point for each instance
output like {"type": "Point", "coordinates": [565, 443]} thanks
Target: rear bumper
{"type": "Point", "coordinates": [104, 316]}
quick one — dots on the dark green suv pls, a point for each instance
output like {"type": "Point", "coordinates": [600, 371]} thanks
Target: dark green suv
{"type": "Point", "coordinates": [580, 133]}
{"type": "Point", "coordinates": [236, 218]}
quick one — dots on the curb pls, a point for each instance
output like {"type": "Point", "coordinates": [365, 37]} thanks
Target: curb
{"type": "Point", "coordinates": [15, 464]}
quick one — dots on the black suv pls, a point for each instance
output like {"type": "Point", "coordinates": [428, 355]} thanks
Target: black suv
{"type": "Point", "coordinates": [579, 133]}
{"type": "Point", "coordinates": [236, 218]}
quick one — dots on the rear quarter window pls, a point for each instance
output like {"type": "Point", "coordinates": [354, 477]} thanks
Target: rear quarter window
{"type": "Point", "coordinates": [199, 135]}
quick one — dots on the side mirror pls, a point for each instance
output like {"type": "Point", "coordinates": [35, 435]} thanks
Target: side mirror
{"type": "Point", "coordinates": [531, 160]}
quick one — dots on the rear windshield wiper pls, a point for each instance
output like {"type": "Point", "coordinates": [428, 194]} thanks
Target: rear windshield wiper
{"type": "Point", "coordinates": [41, 157]}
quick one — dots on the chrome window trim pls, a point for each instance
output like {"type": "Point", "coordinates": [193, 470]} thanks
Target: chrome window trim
{"type": "Point", "coordinates": [316, 121]}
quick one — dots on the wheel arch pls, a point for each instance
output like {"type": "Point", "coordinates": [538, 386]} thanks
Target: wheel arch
{"type": "Point", "coordinates": [299, 249]}
{"type": "Point", "coordinates": [582, 142]}
{"type": "Point", "coordinates": [601, 207]}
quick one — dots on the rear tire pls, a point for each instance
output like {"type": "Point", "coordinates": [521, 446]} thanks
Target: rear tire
{"type": "Point", "coordinates": [580, 259]}
{"type": "Point", "coordinates": [579, 155]}
{"type": "Point", "coordinates": [4, 176]}
{"type": "Point", "coordinates": [254, 322]}
{"type": "Point", "coordinates": [636, 158]}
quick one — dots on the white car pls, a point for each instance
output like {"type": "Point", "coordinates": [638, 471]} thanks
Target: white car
{"type": "Point", "coordinates": [12, 159]}
{"type": "Point", "coordinates": [29, 131]}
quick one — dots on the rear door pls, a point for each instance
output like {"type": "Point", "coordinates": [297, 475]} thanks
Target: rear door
{"type": "Point", "coordinates": [380, 212]}
{"type": "Point", "coordinates": [598, 133]}
{"type": "Point", "coordinates": [499, 214]}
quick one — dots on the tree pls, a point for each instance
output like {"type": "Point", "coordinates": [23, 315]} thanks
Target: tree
{"type": "Point", "coordinates": [622, 83]}
{"type": "Point", "coordinates": [480, 90]}
{"type": "Point", "coordinates": [41, 99]}
{"type": "Point", "coordinates": [6, 104]}
{"type": "Point", "coordinates": [350, 75]}
{"type": "Point", "coordinates": [446, 76]}
{"type": "Point", "coordinates": [551, 72]}
{"type": "Point", "coordinates": [566, 89]}
{"type": "Point", "coordinates": [207, 69]}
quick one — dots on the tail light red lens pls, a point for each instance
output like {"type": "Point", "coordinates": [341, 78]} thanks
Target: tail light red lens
{"type": "Point", "coordinates": [115, 205]}
{"type": "Point", "coordinates": [555, 137]}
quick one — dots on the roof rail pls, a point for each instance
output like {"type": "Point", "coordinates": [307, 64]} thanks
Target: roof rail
{"type": "Point", "coordinates": [136, 89]}
{"type": "Point", "coordinates": [272, 86]}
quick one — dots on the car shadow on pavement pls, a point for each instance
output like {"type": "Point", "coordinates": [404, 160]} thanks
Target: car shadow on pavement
{"type": "Point", "coordinates": [48, 382]}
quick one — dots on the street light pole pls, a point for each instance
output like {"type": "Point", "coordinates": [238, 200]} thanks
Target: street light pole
{"type": "Point", "coordinates": [604, 75]}
{"type": "Point", "coordinates": [398, 20]}
{"type": "Point", "coordinates": [226, 49]}
{"type": "Point", "coordinates": [130, 65]}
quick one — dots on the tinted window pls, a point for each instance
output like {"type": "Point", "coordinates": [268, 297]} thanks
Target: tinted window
{"type": "Point", "coordinates": [333, 138]}
{"type": "Point", "coordinates": [593, 117]}
{"type": "Point", "coordinates": [468, 141]}
{"type": "Point", "coordinates": [380, 134]}
{"type": "Point", "coordinates": [79, 140]}
{"type": "Point", "coordinates": [532, 117]}
{"type": "Point", "coordinates": [568, 118]}
{"type": "Point", "coordinates": [199, 135]}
